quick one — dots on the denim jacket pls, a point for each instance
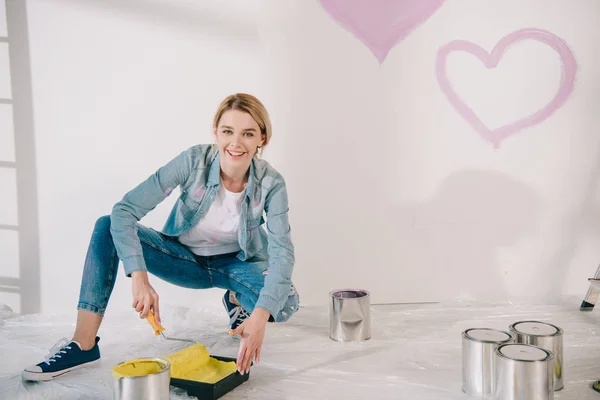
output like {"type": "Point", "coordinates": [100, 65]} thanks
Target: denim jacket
{"type": "Point", "coordinates": [197, 172]}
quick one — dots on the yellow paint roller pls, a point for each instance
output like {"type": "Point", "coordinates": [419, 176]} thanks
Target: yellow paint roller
{"type": "Point", "coordinates": [158, 329]}
{"type": "Point", "coordinates": [194, 362]}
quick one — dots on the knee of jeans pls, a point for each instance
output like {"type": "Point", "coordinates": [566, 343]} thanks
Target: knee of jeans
{"type": "Point", "coordinates": [103, 223]}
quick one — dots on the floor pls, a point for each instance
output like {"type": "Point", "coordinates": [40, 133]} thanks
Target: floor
{"type": "Point", "coordinates": [414, 353]}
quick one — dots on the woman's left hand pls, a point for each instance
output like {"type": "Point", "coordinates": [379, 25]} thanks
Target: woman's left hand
{"type": "Point", "coordinates": [252, 332]}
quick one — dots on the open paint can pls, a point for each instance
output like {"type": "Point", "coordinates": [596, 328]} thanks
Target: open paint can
{"type": "Point", "coordinates": [349, 315]}
{"type": "Point", "coordinates": [523, 372]}
{"type": "Point", "coordinates": [478, 346]}
{"type": "Point", "coordinates": [546, 336]}
{"type": "Point", "coordinates": [142, 379]}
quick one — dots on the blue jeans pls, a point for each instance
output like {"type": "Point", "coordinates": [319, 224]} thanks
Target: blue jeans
{"type": "Point", "coordinates": [168, 259]}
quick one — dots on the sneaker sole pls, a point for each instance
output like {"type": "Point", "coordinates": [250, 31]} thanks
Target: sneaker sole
{"type": "Point", "coordinates": [48, 376]}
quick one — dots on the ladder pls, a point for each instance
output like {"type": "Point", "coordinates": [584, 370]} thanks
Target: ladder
{"type": "Point", "coordinates": [27, 285]}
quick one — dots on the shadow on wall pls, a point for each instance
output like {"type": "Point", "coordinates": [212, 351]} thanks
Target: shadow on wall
{"type": "Point", "coordinates": [471, 215]}
{"type": "Point", "coordinates": [435, 250]}
{"type": "Point", "coordinates": [182, 16]}
{"type": "Point", "coordinates": [579, 252]}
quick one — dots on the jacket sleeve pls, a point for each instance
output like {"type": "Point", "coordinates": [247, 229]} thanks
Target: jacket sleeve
{"type": "Point", "coordinates": [280, 248]}
{"type": "Point", "coordinates": [140, 201]}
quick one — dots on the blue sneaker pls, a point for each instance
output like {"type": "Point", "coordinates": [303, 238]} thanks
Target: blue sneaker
{"type": "Point", "coordinates": [65, 356]}
{"type": "Point", "coordinates": [237, 314]}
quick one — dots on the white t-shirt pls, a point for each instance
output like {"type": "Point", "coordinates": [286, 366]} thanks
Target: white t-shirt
{"type": "Point", "coordinates": [217, 232]}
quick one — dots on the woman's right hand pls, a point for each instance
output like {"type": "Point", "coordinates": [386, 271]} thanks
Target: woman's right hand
{"type": "Point", "coordinates": [145, 297]}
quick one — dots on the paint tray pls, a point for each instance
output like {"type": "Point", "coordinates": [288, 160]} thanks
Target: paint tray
{"type": "Point", "coordinates": [208, 391]}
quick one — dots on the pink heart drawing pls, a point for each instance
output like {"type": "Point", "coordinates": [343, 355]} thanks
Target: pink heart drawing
{"type": "Point", "coordinates": [380, 24]}
{"type": "Point", "coordinates": [569, 69]}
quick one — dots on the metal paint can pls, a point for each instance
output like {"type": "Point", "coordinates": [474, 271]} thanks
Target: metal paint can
{"type": "Point", "coordinates": [546, 336]}
{"type": "Point", "coordinates": [523, 372]}
{"type": "Point", "coordinates": [349, 315]}
{"type": "Point", "coordinates": [151, 386]}
{"type": "Point", "coordinates": [478, 345]}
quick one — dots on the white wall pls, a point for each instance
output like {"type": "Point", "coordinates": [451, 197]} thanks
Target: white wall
{"type": "Point", "coordinates": [390, 189]}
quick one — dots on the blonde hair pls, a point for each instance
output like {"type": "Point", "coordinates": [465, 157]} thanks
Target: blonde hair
{"type": "Point", "coordinates": [248, 104]}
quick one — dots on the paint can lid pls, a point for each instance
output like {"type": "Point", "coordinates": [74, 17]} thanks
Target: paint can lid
{"type": "Point", "coordinates": [535, 328]}
{"type": "Point", "coordinates": [523, 352]}
{"type": "Point", "coordinates": [487, 335]}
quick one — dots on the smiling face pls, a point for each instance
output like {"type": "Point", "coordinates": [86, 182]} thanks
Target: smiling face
{"type": "Point", "coordinates": [238, 138]}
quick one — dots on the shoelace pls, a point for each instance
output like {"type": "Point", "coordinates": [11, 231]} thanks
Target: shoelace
{"type": "Point", "coordinates": [57, 350]}
{"type": "Point", "coordinates": [238, 314]}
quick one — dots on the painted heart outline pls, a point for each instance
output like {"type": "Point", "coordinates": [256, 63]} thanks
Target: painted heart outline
{"type": "Point", "coordinates": [491, 60]}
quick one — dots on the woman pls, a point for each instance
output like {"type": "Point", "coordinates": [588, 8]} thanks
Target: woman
{"type": "Point", "coordinates": [214, 237]}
